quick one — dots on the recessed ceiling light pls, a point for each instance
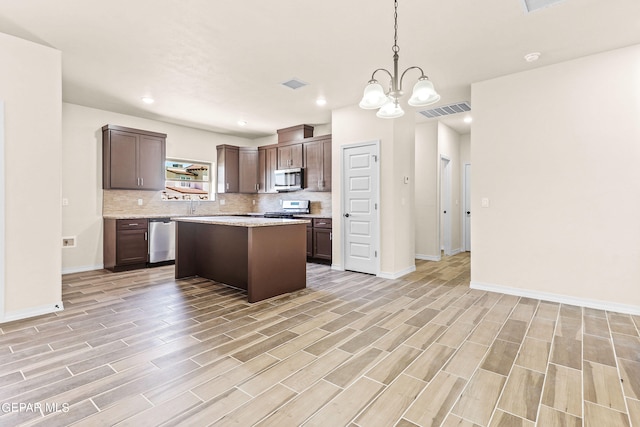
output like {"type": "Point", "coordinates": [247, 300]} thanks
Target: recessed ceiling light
{"type": "Point", "coordinates": [242, 122]}
{"type": "Point", "coordinates": [532, 57]}
{"type": "Point", "coordinates": [321, 101]}
{"type": "Point", "coordinates": [468, 119]}
{"type": "Point", "coordinates": [148, 100]}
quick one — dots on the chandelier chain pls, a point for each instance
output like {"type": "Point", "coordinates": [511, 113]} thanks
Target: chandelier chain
{"type": "Point", "coordinates": [395, 47]}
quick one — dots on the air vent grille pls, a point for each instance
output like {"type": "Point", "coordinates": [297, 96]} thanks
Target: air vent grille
{"type": "Point", "coordinates": [445, 110]}
{"type": "Point", "coordinates": [294, 84]}
{"type": "Point", "coordinates": [533, 5]}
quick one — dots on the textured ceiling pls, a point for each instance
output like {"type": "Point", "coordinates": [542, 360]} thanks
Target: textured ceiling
{"type": "Point", "coordinates": [209, 63]}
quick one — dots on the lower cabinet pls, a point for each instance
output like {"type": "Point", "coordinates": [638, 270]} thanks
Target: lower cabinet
{"type": "Point", "coordinates": [319, 239]}
{"type": "Point", "coordinates": [126, 244]}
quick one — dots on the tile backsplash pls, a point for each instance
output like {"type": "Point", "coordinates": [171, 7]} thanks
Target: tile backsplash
{"type": "Point", "coordinates": [125, 202]}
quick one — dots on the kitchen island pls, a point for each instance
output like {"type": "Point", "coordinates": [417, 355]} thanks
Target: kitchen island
{"type": "Point", "coordinates": [264, 256]}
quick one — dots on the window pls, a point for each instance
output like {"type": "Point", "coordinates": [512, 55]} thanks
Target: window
{"type": "Point", "coordinates": [187, 180]}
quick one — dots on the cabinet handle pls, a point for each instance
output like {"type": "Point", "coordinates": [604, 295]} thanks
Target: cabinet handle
{"type": "Point", "coordinates": [145, 235]}
{"type": "Point", "coordinates": [331, 236]}
{"type": "Point", "coordinates": [227, 185]}
{"type": "Point", "coordinates": [132, 225]}
{"type": "Point", "coordinates": [257, 187]}
{"type": "Point", "coordinates": [142, 182]}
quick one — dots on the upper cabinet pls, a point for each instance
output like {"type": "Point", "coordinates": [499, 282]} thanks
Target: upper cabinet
{"type": "Point", "coordinates": [267, 165]}
{"type": "Point", "coordinates": [228, 169]}
{"type": "Point", "coordinates": [317, 164]}
{"type": "Point", "coordinates": [132, 159]}
{"type": "Point", "coordinates": [290, 156]}
{"type": "Point", "coordinates": [248, 170]}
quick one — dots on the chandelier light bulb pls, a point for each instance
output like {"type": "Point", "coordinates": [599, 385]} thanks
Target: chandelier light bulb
{"type": "Point", "coordinates": [373, 97]}
{"type": "Point", "coordinates": [390, 110]}
{"type": "Point", "coordinates": [423, 93]}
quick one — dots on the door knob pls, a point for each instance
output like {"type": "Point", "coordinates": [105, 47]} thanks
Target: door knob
{"type": "Point", "coordinates": [346, 215]}
{"type": "Point", "coordinates": [468, 212]}
{"type": "Point", "coordinates": [445, 211]}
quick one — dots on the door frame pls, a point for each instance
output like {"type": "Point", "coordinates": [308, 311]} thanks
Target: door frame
{"type": "Point", "coordinates": [466, 206]}
{"type": "Point", "coordinates": [343, 183]}
{"type": "Point", "coordinates": [445, 230]}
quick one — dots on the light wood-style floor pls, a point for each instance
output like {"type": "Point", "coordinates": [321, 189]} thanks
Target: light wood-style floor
{"type": "Point", "coordinates": [142, 349]}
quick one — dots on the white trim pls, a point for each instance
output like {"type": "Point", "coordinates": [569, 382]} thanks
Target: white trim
{"type": "Point", "coordinates": [465, 189]}
{"type": "Point", "coordinates": [337, 267]}
{"type": "Point", "coordinates": [2, 213]}
{"type": "Point", "coordinates": [82, 269]}
{"type": "Point", "coordinates": [563, 299]}
{"type": "Point", "coordinates": [456, 251]}
{"type": "Point", "coordinates": [397, 274]}
{"type": "Point", "coordinates": [445, 230]}
{"type": "Point", "coordinates": [435, 258]}
{"type": "Point", "coordinates": [376, 144]}
{"type": "Point", "coordinates": [32, 312]}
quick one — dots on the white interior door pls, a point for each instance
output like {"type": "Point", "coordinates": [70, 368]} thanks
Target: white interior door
{"type": "Point", "coordinates": [360, 174]}
{"type": "Point", "coordinates": [467, 207]}
{"type": "Point", "coordinates": [445, 205]}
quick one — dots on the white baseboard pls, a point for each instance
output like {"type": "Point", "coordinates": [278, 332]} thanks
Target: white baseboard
{"type": "Point", "coordinates": [397, 274]}
{"type": "Point", "coordinates": [31, 312]}
{"type": "Point", "coordinates": [82, 269]}
{"type": "Point", "coordinates": [428, 257]}
{"type": "Point", "coordinates": [455, 251]}
{"type": "Point", "coordinates": [563, 299]}
{"type": "Point", "coordinates": [337, 267]}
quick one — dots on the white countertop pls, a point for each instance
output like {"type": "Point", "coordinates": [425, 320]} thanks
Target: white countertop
{"type": "Point", "coordinates": [240, 221]}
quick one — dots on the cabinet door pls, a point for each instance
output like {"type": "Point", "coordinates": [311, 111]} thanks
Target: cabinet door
{"type": "Point", "coordinates": [262, 170]}
{"type": "Point", "coordinates": [228, 169]}
{"type": "Point", "coordinates": [271, 166]}
{"type": "Point", "coordinates": [290, 156]}
{"type": "Point", "coordinates": [322, 243]}
{"type": "Point", "coordinates": [317, 164]}
{"type": "Point", "coordinates": [313, 165]}
{"type": "Point", "coordinates": [151, 157]}
{"type": "Point", "coordinates": [131, 247]}
{"type": "Point", "coordinates": [248, 179]}
{"type": "Point", "coordinates": [123, 165]}
{"type": "Point", "coordinates": [309, 242]}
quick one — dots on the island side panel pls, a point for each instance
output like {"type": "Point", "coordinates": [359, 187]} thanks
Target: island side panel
{"type": "Point", "coordinates": [277, 260]}
{"type": "Point", "coordinates": [221, 254]}
{"type": "Point", "coordinates": [185, 249]}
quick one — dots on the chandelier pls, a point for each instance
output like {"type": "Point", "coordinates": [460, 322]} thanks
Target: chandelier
{"type": "Point", "coordinates": [388, 102]}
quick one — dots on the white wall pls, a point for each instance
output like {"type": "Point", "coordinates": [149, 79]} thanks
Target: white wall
{"type": "Point", "coordinates": [426, 199]}
{"type": "Point", "coordinates": [397, 138]}
{"type": "Point", "coordinates": [30, 86]}
{"type": "Point", "coordinates": [82, 172]}
{"type": "Point", "coordinates": [556, 151]}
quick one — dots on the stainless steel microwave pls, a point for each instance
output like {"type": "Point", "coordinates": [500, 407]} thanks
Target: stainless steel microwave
{"type": "Point", "coordinates": [289, 179]}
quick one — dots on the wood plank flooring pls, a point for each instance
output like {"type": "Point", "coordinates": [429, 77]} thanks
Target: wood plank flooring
{"type": "Point", "coordinates": [142, 349]}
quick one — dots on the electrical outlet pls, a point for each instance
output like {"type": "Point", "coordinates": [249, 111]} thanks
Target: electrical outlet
{"type": "Point", "coordinates": [140, 202]}
{"type": "Point", "coordinates": [69, 242]}
{"type": "Point", "coordinates": [222, 202]}
{"type": "Point", "coordinates": [65, 201]}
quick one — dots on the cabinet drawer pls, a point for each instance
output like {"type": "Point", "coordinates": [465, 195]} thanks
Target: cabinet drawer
{"type": "Point", "coordinates": [132, 224]}
{"type": "Point", "coordinates": [322, 222]}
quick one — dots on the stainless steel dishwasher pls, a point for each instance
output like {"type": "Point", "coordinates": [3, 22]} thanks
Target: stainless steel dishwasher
{"type": "Point", "coordinates": [162, 240]}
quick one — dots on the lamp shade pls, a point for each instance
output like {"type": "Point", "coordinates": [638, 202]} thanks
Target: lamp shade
{"type": "Point", "coordinates": [374, 96]}
{"type": "Point", "coordinates": [390, 110]}
{"type": "Point", "coordinates": [423, 93]}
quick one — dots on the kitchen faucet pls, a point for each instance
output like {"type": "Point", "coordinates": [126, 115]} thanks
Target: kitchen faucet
{"type": "Point", "coordinates": [193, 206]}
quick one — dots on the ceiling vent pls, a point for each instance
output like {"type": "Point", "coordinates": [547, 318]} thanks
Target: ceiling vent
{"type": "Point", "coordinates": [533, 5]}
{"type": "Point", "coordinates": [294, 84]}
{"type": "Point", "coordinates": [445, 110]}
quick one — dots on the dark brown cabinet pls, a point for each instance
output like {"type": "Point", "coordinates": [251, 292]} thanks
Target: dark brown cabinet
{"type": "Point", "coordinates": [248, 170]}
{"type": "Point", "coordinates": [317, 164]}
{"type": "Point", "coordinates": [132, 159]}
{"type": "Point", "coordinates": [228, 168]}
{"type": "Point", "coordinates": [290, 156]}
{"type": "Point", "coordinates": [267, 165]}
{"type": "Point", "coordinates": [125, 243]}
{"type": "Point", "coordinates": [319, 240]}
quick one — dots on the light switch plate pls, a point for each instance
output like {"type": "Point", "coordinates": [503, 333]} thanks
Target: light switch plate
{"type": "Point", "coordinates": [484, 202]}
